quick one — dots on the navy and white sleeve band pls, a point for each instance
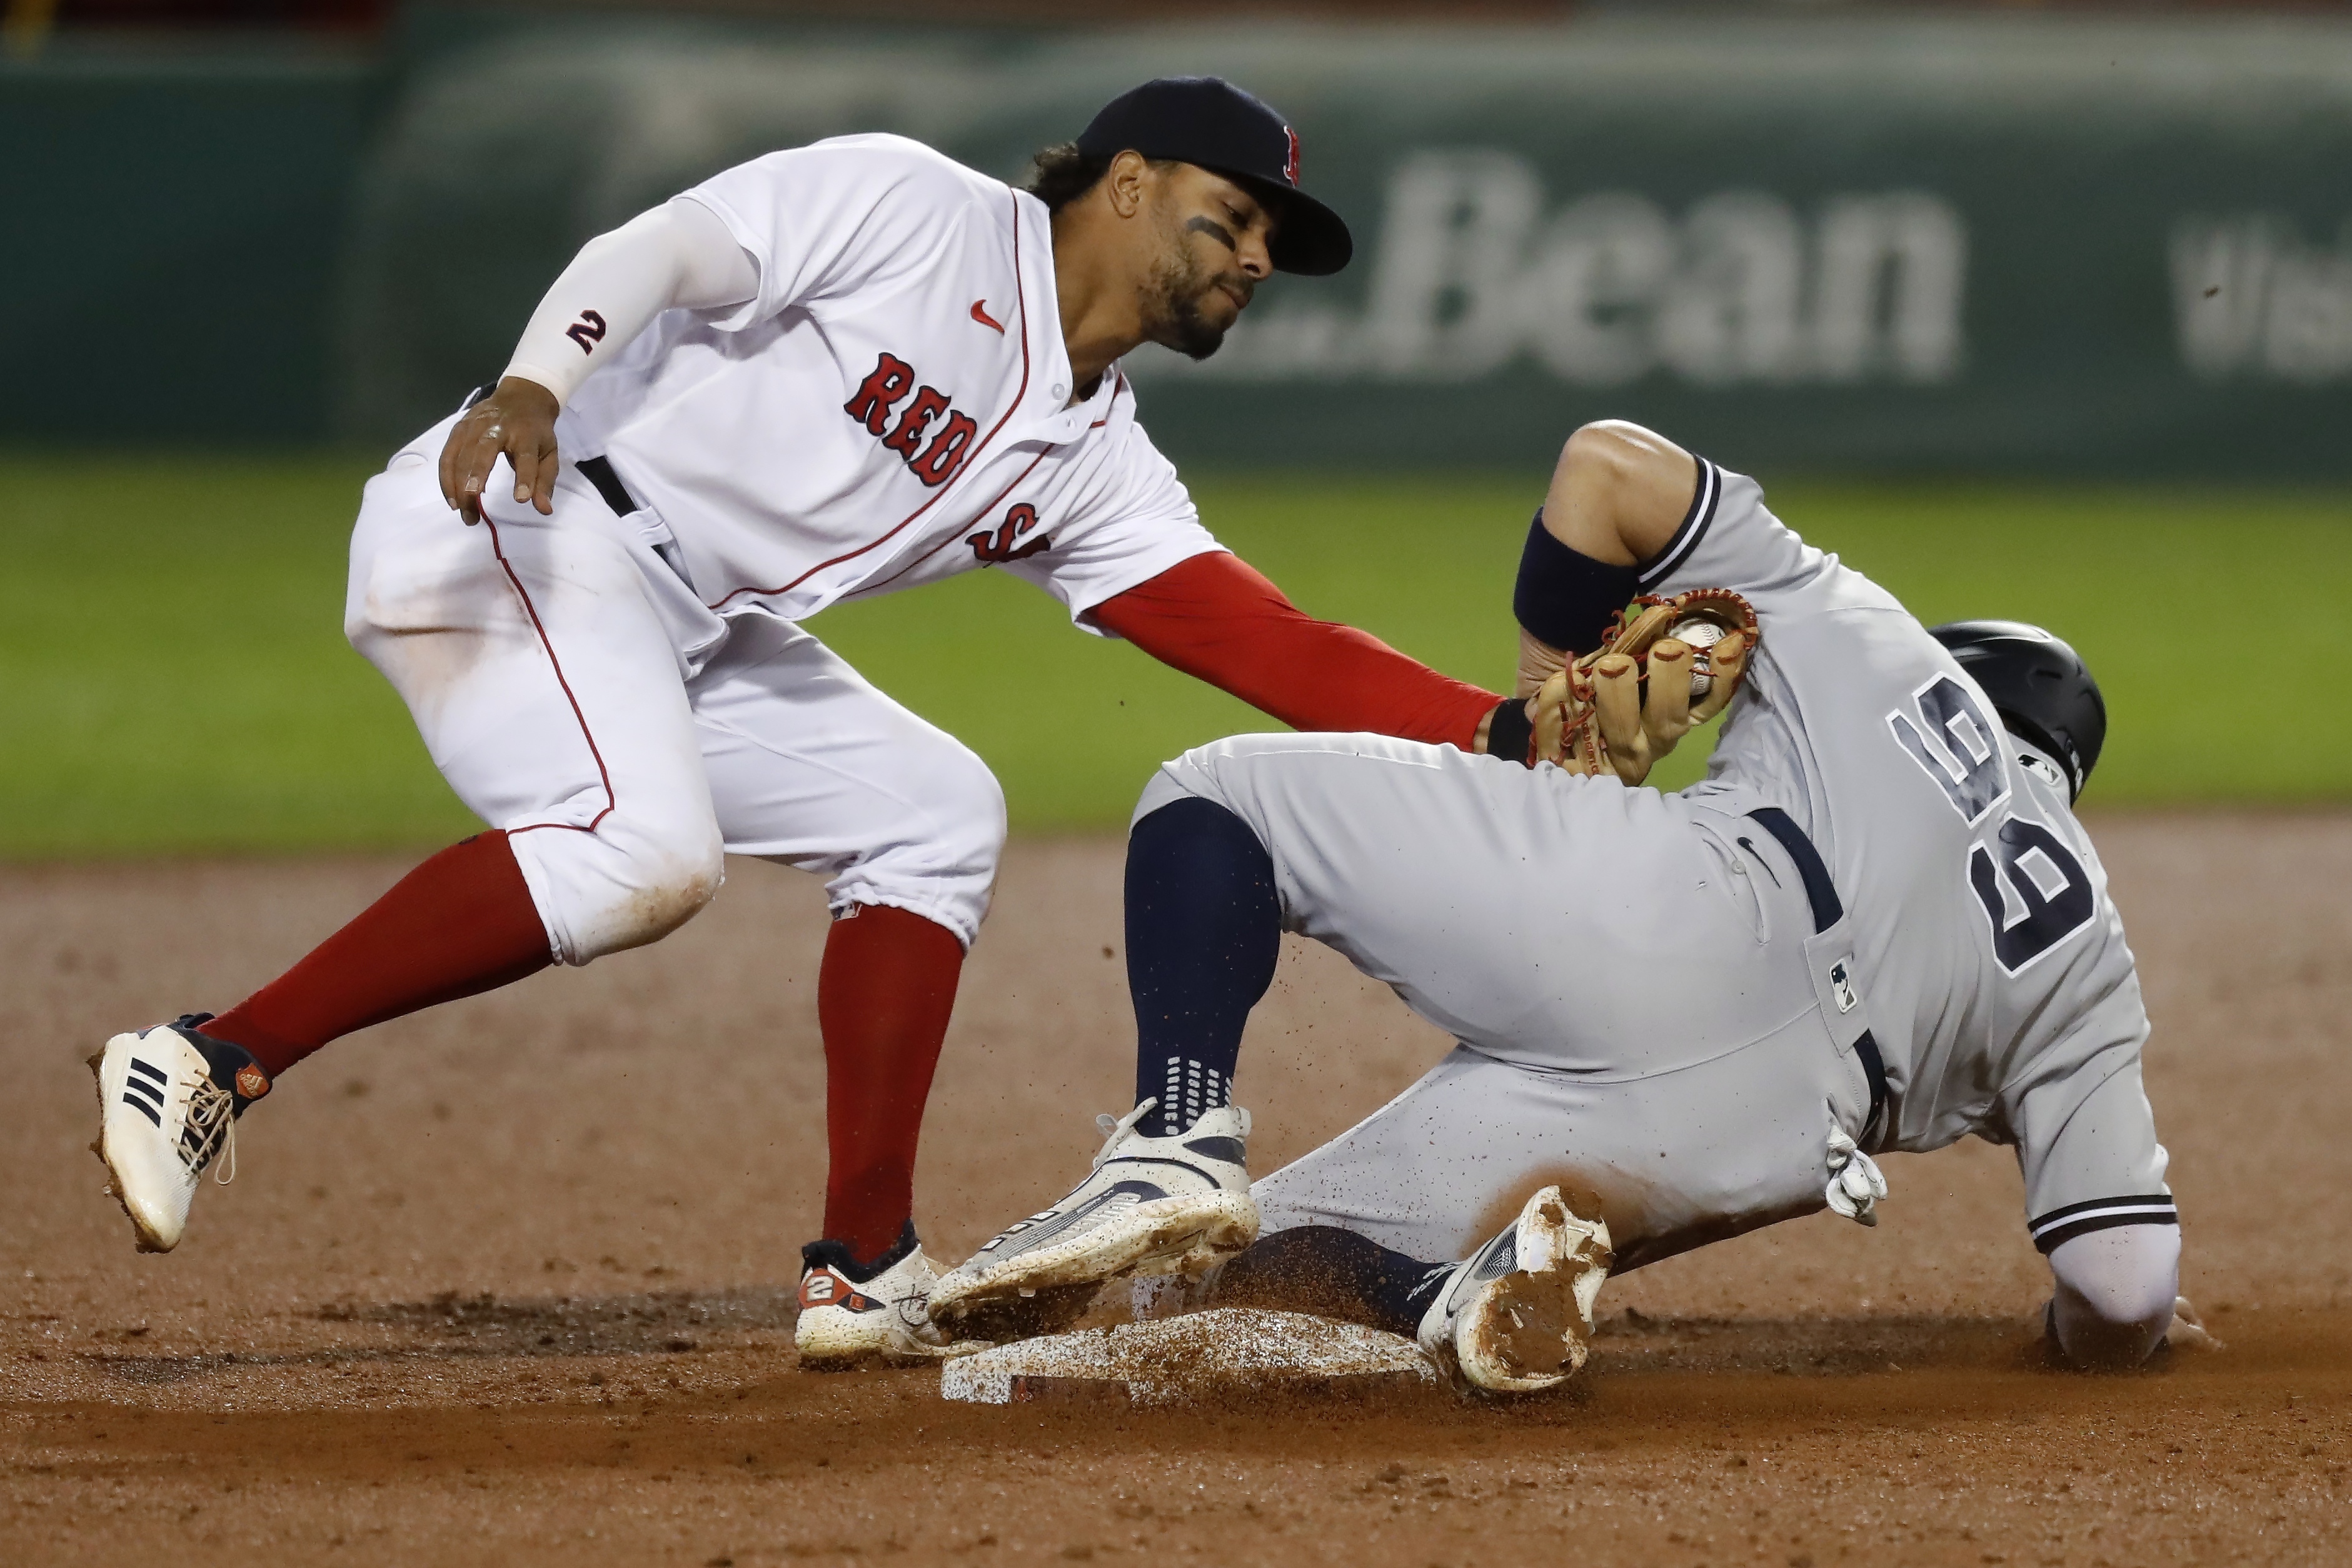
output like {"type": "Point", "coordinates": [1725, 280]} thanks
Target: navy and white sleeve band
{"type": "Point", "coordinates": [1689, 532]}
{"type": "Point", "coordinates": [2101, 1213]}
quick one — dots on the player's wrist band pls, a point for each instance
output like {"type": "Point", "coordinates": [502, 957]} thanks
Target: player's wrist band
{"type": "Point", "coordinates": [559, 383]}
{"type": "Point", "coordinates": [1564, 596]}
{"type": "Point", "coordinates": [1509, 730]}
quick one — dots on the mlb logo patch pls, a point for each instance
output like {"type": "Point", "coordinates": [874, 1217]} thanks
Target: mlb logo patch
{"type": "Point", "coordinates": [1842, 987]}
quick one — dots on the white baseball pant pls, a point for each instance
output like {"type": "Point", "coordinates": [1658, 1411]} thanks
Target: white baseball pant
{"type": "Point", "coordinates": [575, 691]}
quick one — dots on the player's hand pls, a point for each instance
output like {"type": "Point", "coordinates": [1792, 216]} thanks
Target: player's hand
{"type": "Point", "coordinates": [517, 422]}
{"type": "Point", "coordinates": [2188, 1330]}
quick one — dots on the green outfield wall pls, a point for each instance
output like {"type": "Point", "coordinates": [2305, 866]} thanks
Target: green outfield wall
{"type": "Point", "coordinates": [172, 231]}
{"type": "Point", "coordinates": [1895, 243]}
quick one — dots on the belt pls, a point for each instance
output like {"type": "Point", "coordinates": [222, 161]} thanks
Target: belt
{"type": "Point", "coordinates": [1823, 894]}
{"type": "Point", "coordinates": [598, 471]}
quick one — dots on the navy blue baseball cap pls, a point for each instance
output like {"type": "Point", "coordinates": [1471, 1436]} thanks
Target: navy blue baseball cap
{"type": "Point", "coordinates": [1208, 122]}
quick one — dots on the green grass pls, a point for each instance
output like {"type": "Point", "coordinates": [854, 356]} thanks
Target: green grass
{"type": "Point", "coordinates": [173, 671]}
{"type": "Point", "coordinates": [173, 678]}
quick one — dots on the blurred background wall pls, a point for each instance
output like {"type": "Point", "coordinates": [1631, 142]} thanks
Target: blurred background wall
{"type": "Point", "coordinates": [1883, 239]}
{"type": "Point", "coordinates": [2035, 312]}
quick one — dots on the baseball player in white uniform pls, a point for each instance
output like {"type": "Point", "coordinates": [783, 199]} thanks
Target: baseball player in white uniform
{"type": "Point", "coordinates": [1876, 925]}
{"type": "Point", "coordinates": [837, 371]}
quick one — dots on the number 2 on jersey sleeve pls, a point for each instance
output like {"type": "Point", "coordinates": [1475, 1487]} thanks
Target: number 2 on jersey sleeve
{"type": "Point", "coordinates": [2035, 893]}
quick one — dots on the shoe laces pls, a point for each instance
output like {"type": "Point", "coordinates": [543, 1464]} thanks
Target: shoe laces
{"type": "Point", "coordinates": [1115, 1129]}
{"type": "Point", "coordinates": [210, 1126]}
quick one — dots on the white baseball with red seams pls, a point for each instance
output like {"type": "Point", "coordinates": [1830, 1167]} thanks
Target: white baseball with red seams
{"type": "Point", "coordinates": [627, 695]}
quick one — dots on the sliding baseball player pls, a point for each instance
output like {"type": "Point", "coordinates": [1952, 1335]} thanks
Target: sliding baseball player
{"type": "Point", "coordinates": [1876, 925]}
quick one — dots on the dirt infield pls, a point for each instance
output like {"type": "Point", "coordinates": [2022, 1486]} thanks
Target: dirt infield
{"type": "Point", "coordinates": [512, 1281]}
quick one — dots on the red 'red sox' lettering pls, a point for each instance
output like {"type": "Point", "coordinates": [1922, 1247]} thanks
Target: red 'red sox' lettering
{"type": "Point", "coordinates": [1004, 544]}
{"type": "Point", "coordinates": [944, 456]}
{"type": "Point", "coordinates": [878, 396]}
{"type": "Point", "coordinates": [890, 381]}
{"type": "Point", "coordinates": [928, 404]}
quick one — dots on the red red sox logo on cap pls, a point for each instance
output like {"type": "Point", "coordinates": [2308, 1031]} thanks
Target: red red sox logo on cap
{"type": "Point", "coordinates": [1290, 159]}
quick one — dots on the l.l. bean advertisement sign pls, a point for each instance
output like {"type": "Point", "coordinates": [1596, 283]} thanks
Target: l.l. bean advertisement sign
{"type": "Point", "coordinates": [1980, 244]}
{"type": "Point", "coordinates": [1475, 269]}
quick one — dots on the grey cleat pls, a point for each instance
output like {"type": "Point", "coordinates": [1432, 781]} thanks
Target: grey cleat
{"type": "Point", "coordinates": [1150, 1206]}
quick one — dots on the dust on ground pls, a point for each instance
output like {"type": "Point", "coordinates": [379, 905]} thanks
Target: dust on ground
{"type": "Point", "coordinates": [512, 1281]}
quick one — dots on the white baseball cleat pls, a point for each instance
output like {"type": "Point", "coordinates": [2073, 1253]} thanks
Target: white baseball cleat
{"type": "Point", "coordinates": [168, 1101]}
{"type": "Point", "coordinates": [1152, 1206]}
{"type": "Point", "coordinates": [847, 1321]}
{"type": "Point", "coordinates": [1517, 1317]}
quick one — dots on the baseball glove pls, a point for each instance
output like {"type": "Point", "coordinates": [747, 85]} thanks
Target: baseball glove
{"type": "Point", "coordinates": [1605, 713]}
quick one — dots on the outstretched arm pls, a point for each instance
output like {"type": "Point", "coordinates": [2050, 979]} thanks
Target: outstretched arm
{"type": "Point", "coordinates": [1215, 618]}
{"type": "Point", "coordinates": [2117, 1290]}
{"type": "Point", "coordinates": [680, 254]}
{"type": "Point", "coordinates": [1616, 498]}
{"type": "Point", "coordinates": [2095, 1195]}
{"type": "Point", "coordinates": [1617, 495]}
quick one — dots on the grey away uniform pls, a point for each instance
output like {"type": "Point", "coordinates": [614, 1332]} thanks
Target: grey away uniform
{"type": "Point", "coordinates": [1645, 1008]}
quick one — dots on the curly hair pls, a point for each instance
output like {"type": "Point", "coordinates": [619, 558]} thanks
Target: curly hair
{"type": "Point", "coordinates": [1061, 174]}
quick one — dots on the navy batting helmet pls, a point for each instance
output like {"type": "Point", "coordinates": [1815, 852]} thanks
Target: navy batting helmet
{"type": "Point", "coordinates": [2040, 687]}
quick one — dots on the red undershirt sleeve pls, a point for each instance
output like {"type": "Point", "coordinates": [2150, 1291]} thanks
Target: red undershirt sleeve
{"type": "Point", "coordinates": [1215, 618]}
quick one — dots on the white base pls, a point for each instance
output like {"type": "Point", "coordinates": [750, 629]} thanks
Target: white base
{"type": "Point", "coordinates": [1203, 1355]}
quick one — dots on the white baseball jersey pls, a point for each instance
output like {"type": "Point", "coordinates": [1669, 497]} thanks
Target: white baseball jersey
{"type": "Point", "coordinates": [616, 684]}
{"type": "Point", "coordinates": [892, 405]}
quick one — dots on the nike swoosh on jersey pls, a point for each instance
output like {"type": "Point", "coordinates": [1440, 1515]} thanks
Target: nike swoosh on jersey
{"type": "Point", "coordinates": [980, 313]}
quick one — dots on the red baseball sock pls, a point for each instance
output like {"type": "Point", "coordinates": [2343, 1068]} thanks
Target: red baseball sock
{"type": "Point", "coordinates": [460, 924]}
{"type": "Point", "coordinates": [883, 996]}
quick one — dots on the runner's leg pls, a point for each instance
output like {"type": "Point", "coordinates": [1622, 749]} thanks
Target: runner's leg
{"type": "Point", "coordinates": [1551, 924]}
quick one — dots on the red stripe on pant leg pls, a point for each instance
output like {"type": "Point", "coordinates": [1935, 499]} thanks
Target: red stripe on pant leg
{"type": "Point", "coordinates": [556, 664]}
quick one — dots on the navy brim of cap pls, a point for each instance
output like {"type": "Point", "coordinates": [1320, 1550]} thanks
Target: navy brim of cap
{"type": "Point", "coordinates": [1311, 240]}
